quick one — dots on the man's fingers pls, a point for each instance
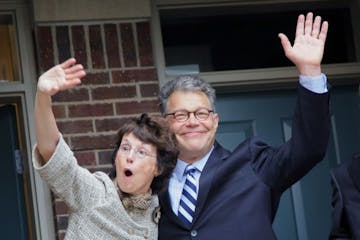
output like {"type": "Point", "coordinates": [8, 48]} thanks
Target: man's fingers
{"type": "Point", "coordinates": [300, 25]}
{"type": "Point", "coordinates": [308, 23]}
{"type": "Point", "coordinates": [316, 27]}
{"type": "Point", "coordinates": [324, 30]}
{"type": "Point", "coordinates": [284, 42]}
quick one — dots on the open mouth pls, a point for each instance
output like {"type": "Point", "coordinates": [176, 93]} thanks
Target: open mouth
{"type": "Point", "coordinates": [128, 173]}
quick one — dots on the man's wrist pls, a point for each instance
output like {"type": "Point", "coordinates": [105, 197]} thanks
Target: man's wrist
{"type": "Point", "coordinates": [317, 84]}
{"type": "Point", "coordinates": [310, 70]}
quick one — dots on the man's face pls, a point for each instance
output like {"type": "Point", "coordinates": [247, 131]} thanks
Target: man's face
{"type": "Point", "coordinates": [195, 138]}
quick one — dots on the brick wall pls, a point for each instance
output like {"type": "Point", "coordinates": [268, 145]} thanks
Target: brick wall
{"type": "Point", "coordinates": [121, 82]}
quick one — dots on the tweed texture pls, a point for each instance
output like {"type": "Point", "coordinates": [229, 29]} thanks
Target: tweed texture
{"type": "Point", "coordinates": [96, 211]}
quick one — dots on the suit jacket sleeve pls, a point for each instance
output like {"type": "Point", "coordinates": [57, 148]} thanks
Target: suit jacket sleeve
{"type": "Point", "coordinates": [75, 185]}
{"type": "Point", "coordinates": [346, 201]}
{"type": "Point", "coordinates": [282, 166]}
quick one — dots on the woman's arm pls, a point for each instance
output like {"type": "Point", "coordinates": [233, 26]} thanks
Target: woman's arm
{"type": "Point", "coordinates": [60, 77]}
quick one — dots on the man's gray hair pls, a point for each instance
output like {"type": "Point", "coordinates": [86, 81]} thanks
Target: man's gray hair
{"type": "Point", "coordinates": [187, 83]}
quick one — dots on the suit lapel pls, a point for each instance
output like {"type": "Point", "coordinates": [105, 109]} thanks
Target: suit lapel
{"type": "Point", "coordinates": [165, 204]}
{"type": "Point", "coordinates": [206, 180]}
{"type": "Point", "coordinates": [354, 171]}
{"type": "Point", "coordinates": [207, 176]}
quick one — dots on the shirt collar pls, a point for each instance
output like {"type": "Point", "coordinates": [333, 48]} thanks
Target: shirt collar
{"type": "Point", "coordinates": [199, 165]}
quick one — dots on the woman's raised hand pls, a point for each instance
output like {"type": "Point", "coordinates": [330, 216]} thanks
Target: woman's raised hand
{"type": "Point", "coordinates": [63, 76]}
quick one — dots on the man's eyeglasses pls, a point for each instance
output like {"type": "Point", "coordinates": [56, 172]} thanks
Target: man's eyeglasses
{"type": "Point", "coordinates": [201, 114]}
{"type": "Point", "coordinates": [140, 153]}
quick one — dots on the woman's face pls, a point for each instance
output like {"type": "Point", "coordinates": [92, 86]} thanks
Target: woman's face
{"type": "Point", "coordinates": [136, 165]}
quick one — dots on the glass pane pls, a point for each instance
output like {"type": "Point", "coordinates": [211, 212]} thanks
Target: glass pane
{"type": "Point", "coordinates": [229, 134]}
{"type": "Point", "coordinates": [235, 38]}
{"type": "Point", "coordinates": [9, 62]}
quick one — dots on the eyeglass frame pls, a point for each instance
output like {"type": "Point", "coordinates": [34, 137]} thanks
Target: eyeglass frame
{"type": "Point", "coordinates": [188, 114]}
{"type": "Point", "coordinates": [137, 151]}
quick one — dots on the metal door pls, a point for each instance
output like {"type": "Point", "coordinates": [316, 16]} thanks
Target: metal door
{"type": "Point", "coordinates": [13, 212]}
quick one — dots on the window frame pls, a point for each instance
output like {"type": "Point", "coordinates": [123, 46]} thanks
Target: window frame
{"type": "Point", "coordinates": [17, 76]}
{"type": "Point", "coordinates": [260, 78]}
{"type": "Point", "coordinates": [23, 90]}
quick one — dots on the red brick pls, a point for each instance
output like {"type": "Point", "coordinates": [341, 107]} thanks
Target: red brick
{"type": "Point", "coordinates": [71, 95]}
{"type": "Point", "coordinates": [96, 47]}
{"type": "Point", "coordinates": [128, 44]}
{"type": "Point", "coordinates": [77, 126]}
{"type": "Point", "coordinates": [62, 222]}
{"type": "Point", "coordinates": [96, 78]}
{"type": "Point", "coordinates": [93, 142]}
{"type": "Point", "coordinates": [61, 235]}
{"type": "Point", "coordinates": [63, 42]}
{"type": "Point", "coordinates": [104, 125]}
{"type": "Point", "coordinates": [61, 208]}
{"type": "Point", "coordinates": [134, 75]}
{"type": "Point", "coordinates": [45, 48]}
{"type": "Point", "coordinates": [59, 111]}
{"type": "Point", "coordinates": [136, 107]}
{"type": "Point", "coordinates": [86, 158]}
{"type": "Point", "coordinates": [144, 44]}
{"type": "Point", "coordinates": [113, 92]}
{"type": "Point", "coordinates": [90, 110]}
{"type": "Point", "coordinates": [149, 90]}
{"type": "Point", "coordinates": [67, 139]}
{"type": "Point", "coordinates": [112, 45]}
{"type": "Point", "coordinates": [79, 46]}
{"type": "Point", "coordinates": [105, 157]}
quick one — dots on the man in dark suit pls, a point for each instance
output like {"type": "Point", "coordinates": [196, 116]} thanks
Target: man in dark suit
{"type": "Point", "coordinates": [345, 181]}
{"type": "Point", "coordinates": [217, 194]}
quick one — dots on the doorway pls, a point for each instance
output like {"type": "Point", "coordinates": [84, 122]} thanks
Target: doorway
{"type": "Point", "coordinates": [17, 217]}
{"type": "Point", "coordinates": [305, 209]}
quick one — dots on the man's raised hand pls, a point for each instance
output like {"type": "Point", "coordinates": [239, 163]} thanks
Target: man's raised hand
{"type": "Point", "coordinates": [308, 48]}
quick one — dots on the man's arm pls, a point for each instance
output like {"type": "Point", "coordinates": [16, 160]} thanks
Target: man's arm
{"type": "Point", "coordinates": [283, 166]}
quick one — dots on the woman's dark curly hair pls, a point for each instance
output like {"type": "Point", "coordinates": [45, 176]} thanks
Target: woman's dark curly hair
{"type": "Point", "coordinates": [155, 131]}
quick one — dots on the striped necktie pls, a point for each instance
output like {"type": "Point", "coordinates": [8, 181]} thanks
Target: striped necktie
{"type": "Point", "coordinates": [189, 195]}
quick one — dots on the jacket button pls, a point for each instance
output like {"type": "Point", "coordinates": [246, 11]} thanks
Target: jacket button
{"type": "Point", "coordinates": [193, 233]}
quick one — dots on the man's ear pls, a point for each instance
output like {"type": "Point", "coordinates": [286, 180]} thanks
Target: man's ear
{"type": "Point", "coordinates": [216, 119]}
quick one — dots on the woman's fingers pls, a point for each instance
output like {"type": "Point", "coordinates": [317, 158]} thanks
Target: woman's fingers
{"type": "Point", "coordinates": [73, 69]}
{"type": "Point", "coordinates": [74, 75]}
{"type": "Point", "coordinates": [68, 63]}
{"type": "Point", "coordinates": [62, 76]}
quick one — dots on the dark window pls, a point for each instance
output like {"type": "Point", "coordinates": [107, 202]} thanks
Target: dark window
{"type": "Point", "coordinates": [233, 38]}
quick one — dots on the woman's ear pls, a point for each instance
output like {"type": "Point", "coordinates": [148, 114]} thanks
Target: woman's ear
{"type": "Point", "coordinates": [157, 172]}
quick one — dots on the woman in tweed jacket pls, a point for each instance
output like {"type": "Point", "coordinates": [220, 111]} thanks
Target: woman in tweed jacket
{"type": "Point", "coordinates": [122, 205]}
